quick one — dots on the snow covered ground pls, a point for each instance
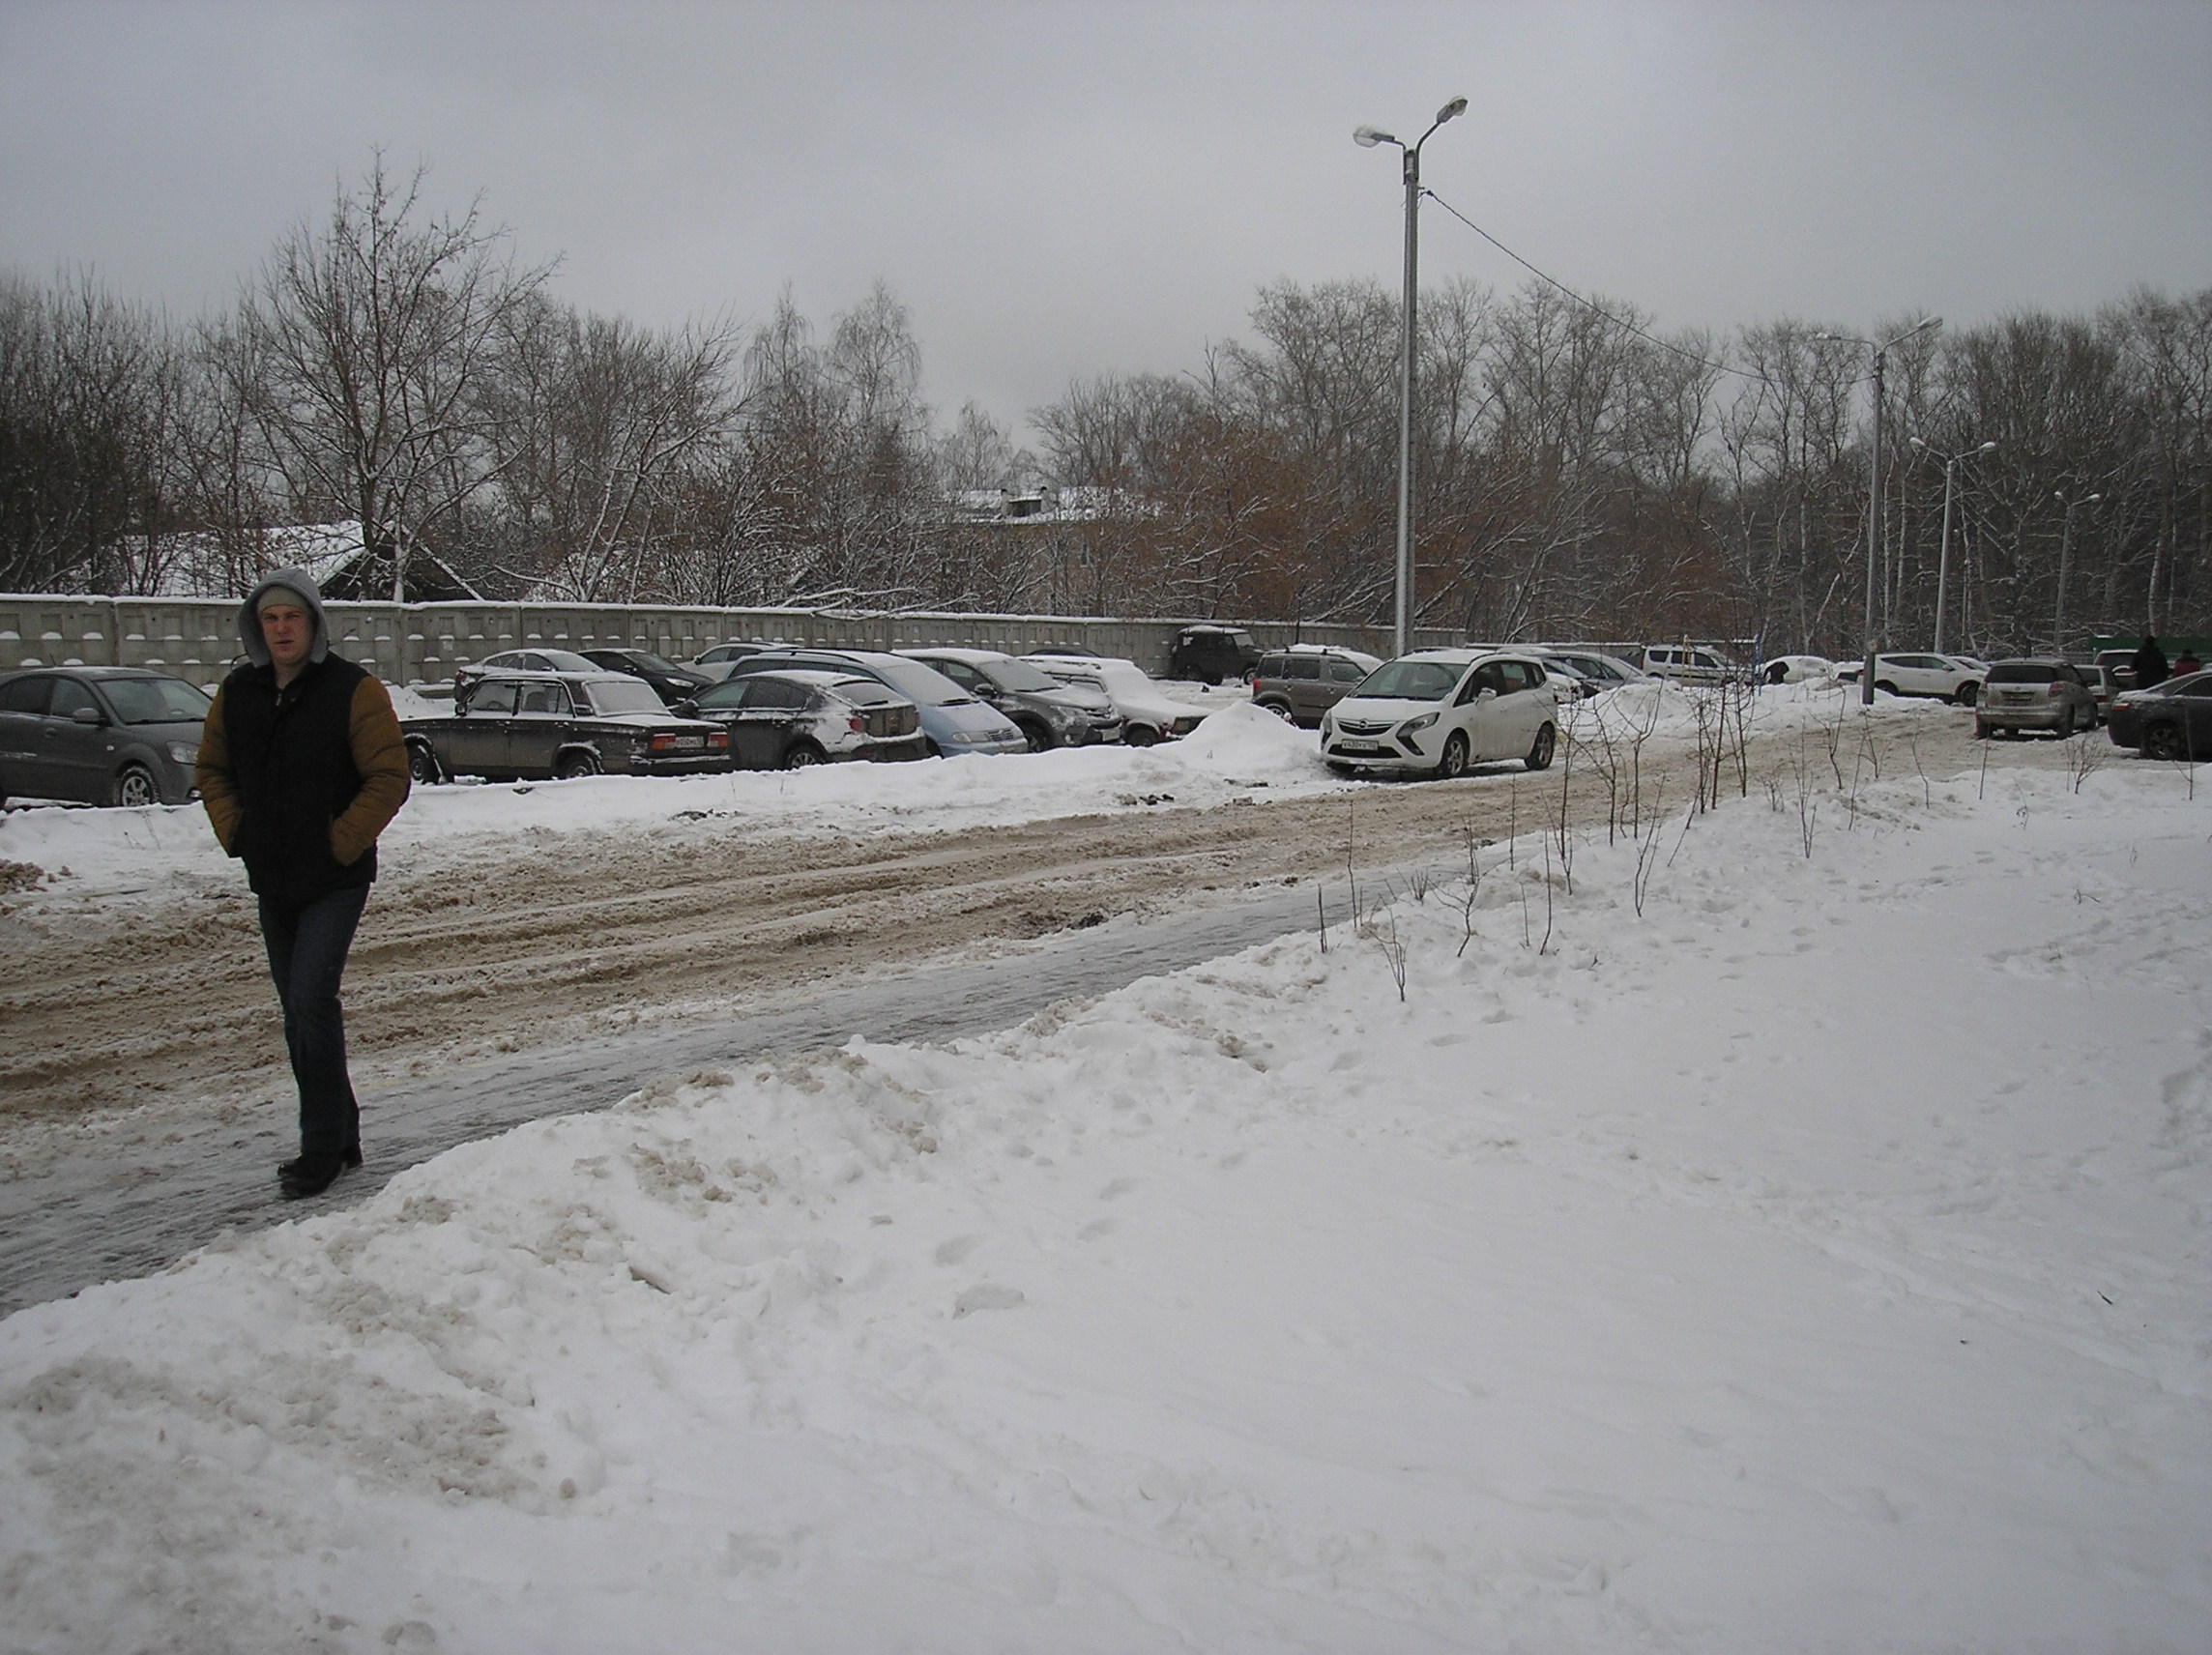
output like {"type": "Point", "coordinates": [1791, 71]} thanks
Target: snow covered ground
{"type": "Point", "coordinates": [1816, 1259]}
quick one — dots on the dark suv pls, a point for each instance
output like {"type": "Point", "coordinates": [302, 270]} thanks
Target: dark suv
{"type": "Point", "coordinates": [1304, 681]}
{"type": "Point", "coordinates": [1209, 653]}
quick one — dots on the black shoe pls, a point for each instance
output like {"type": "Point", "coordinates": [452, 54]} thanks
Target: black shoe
{"type": "Point", "coordinates": [312, 1174]}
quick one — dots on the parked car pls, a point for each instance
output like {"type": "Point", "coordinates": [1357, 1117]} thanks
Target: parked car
{"type": "Point", "coordinates": [98, 734]}
{"type": "Point", "coordinates": [954, 721]}
{"type": "Point", "coordinates": [1147, 716]}
{"type": "Point", "coordinates": [789, 720]}
{"type": "Point", "coordinates": [1592, 670]}
{"type": "Point", "coordinates": [516, 723]}
{"type": "Point", "coordinates": [1213, 653]}
{"type": "Point", "coordinates": [2035, 692]}
{"type": "Point", "coordinates": [1303, 680]}
{"type": "Point", "coordinates": [524, 660]}
{"type": "Point", "coordinates": [1945, 678]}
{"type": "Point", "coordinates": [1065, 650]}
{"type": "Point", "coordinates": [1437, 712]}
{"type": "Point", "coordinates": [1048, 714]}
{"type": "Point", "coordinates": [1795, 669]}
{"type": "Point", "coordinates": [1691, 663]}
{"type": "Point", "coordinates": [2117, 667]}
{"type": "Point", "coordinates": [2169, 720]}
{"type": "Point", "coordinates": [670, 681]}
{"type": "Point", "coordinates": [714, 662]}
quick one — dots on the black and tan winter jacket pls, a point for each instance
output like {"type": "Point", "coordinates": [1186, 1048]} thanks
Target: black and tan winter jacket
{"type": "Point", "coordinates": [299, 782]}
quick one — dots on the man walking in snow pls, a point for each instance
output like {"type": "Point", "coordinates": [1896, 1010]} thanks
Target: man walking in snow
{"type": "Point", "coordinates": [300, 766]}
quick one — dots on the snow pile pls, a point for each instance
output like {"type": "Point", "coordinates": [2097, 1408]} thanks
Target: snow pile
{"type": "Point", "coordinates": [1816, 1259]}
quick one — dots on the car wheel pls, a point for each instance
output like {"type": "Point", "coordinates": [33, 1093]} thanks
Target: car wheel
{"type": "Point", "coordinates": [1969, 694]}
{"type": "Point", "coordinates": [1140, 735]}
{"type": "Point", "coordinates": [1540, 755]}
{"type": "Point", "coordinates": [574, 767]}
{"type": "Point", "coordinates": [1885, 687]}
{"type": "Point", "coordinates": [1452, 765]}
{"type": "Point", "coordinates": [803, 755]}
{"type": "Point", "coordinates": [422, 764]}
{"type": "Point", "coordinates": [1281, 709]}
{"type": "Point", "coordinates": [2164, 741]}
{"type": "Point", "coordinates": [1037, 736]}
{"type": "Point", "coordinates": [135, 786]}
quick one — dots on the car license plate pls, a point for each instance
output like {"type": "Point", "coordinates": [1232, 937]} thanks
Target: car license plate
{"type": "Point", "coordinates": [689, 744]}
{"type": "Point", "coordinates": [1358, 747]}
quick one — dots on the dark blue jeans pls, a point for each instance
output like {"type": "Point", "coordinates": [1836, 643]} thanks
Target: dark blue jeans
{"type": "Point", "coordinates": [308, 943]}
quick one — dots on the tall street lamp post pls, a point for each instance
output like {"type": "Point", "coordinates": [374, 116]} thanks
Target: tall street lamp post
{"type": "Point", "coordinates": [2065, 557]}
{"type": "Point", "coordinates": [1874, 486]}
{"type": "Point", "coordinates": [1409, 343]}
{"type": "Point", "coordinates": [1943, 557]}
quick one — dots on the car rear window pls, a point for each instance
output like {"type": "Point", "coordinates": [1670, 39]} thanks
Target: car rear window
{"type": "Point", "coordinates": [627, 695]}
{"type": "Point", "coordinates": [2026, 672]}
{"type": "Point", "coordinates": [867, 692]}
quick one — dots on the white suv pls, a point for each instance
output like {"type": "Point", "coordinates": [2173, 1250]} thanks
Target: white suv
{"type": "Point", "coordinates": [1947, 677]}
{"type": "Point", "coordinates": [1436, 711]}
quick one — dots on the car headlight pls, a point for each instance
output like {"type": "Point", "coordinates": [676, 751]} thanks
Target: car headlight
{"type": "Point", "coordinates": [1421, 723]}
{"type": "Point", "coordinates": [185, 754]}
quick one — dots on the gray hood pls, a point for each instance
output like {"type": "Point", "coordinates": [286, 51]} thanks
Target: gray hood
{"type": "Point", "coordinates": [300, 581]}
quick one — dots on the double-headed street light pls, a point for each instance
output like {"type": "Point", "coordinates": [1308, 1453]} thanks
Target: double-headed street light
{"type": "Point", "coordinates": [1409, 341]}
{"type": "Point", "coordinates": [1943, 557]}
{"type": "Point", "coordinates": [1874, 485]}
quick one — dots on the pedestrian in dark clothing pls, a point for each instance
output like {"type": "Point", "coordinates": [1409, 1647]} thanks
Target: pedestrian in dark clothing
{"type": "Point", "coordinates": [300, 766]}
{"type": "Point", "coordinates": [2150, 664]}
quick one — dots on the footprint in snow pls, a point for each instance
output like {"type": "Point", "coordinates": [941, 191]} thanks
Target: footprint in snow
{"type": "Point", "coordinates": [986, 1295]}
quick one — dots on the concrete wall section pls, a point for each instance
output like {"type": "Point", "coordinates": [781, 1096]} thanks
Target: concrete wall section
{"type": "Point", "coordinates": [424, 643]}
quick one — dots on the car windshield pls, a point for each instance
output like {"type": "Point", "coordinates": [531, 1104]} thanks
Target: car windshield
{"type": "Point", "coordinates": [155, 701]}
{"type": "Point", "coordinates": [1018, 677]}
{"type": "Point", "coordinates": [628, 695]}
{"type": "Point", "coordinates": [651, 662]}
{"type": "Point", "coordinates": [925, 687]}
{"type": "Point", "coordinates": [1412, 681]}
{"type": "Point", "coordinates": [2025, 672]}
{"type": "Point", "coordinates": [730, 693]}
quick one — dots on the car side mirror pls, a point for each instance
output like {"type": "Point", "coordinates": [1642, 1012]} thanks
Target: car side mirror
{"type": "Point", "coordinates": [1487, 694]}
{"type": "Point", "coordinates": [88, 715]}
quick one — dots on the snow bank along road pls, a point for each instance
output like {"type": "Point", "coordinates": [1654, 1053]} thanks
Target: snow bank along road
{"type": "Point", "coordinates": [1799, 1249]}
{"type": "Point", "coordinates": [513, 967]}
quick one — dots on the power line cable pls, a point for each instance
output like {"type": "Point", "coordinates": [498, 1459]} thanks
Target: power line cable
{"type": "Point", "coordinates": [1591, 305]}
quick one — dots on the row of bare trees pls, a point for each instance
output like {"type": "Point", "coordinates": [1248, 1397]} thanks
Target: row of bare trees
{"type": "Point", "coordinates": [1578, 472]}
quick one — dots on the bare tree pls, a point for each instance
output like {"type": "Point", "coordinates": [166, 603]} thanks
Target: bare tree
{"type": "Point", "coordinates": [374, 337]}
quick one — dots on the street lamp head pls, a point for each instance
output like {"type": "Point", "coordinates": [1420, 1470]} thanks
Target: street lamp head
{"type": "Point", "coordinates": [1987, 448]}
{"type": "Point", "coordinates": [1918, 443]}
{"type": "Point", "coordinates": [1457, 106]}
{"type": "Point", "coordinates": [1367, 137]}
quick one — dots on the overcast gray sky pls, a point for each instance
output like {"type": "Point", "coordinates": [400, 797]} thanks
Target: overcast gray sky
{"type": "Point", "coordinates": [1062, 190]}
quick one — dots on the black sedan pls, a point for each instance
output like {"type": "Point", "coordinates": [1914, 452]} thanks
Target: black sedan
{"type": "Point", "coordinates": [2169, 720]}
{"type": "Point", "coordinates": [98, 734]}
{"type": "Point", "coordinates": [670, 681]}
{"type": "Point", "coordinates": [508, 726]}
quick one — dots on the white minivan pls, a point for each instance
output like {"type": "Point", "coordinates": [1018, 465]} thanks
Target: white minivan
{"type": "Point", "coordinates": [1691, 663]}
{"type": "Point", "coordinates": [1437, 712]}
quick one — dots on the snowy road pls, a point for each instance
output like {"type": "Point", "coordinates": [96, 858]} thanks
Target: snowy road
{"type": "Point", "coordinates": [126, 1202]}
